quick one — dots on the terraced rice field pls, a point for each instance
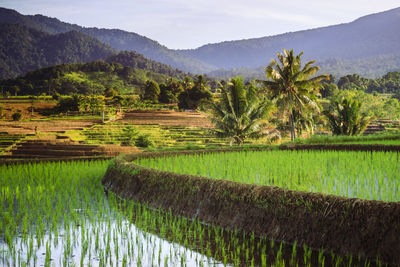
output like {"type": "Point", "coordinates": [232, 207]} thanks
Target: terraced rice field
{"type": "Point", "coordinates": [8, 140]}
{"type": "Point", "coordinates": [162, 136]}
{"type": "Point", "coordinates": [57, 214]}
{"type": "Point", "coordinates": [364, 175]}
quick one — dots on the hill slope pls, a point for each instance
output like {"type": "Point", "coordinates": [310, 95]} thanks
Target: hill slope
{"type": "Point", "coordinates": [23, 49]}
{"type": "Point", "coordinates": [118, 39]}
{"type": "Point", "coordinates": [372, 39]}
{"type": "Point", "coordinates": [368, 46]}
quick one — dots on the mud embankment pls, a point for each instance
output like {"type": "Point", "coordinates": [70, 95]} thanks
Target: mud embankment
{"type": "Point", "coordinates": [364, 228]}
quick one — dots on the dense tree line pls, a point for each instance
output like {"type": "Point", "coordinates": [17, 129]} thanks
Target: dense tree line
{"type": "Point", "coordinates": [388, 83]}
{"type": "Point", "coordinates": [135, 60]}
{"type": "Point", "coordinates": [83, 78]}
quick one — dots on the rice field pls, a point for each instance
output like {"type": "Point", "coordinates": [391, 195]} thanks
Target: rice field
{"type": "Point", "coordinates": [374, 176]}
{"type": "Point", "coordinates": [386, 138]}
{"type": "Point", "coordinates": [57, 214]}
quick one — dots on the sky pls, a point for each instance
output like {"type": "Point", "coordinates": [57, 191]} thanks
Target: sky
{"type": "Point", "coordinates": [183, 24]}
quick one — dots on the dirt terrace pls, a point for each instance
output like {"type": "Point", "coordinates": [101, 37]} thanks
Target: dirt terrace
{"type": "Point", "coordinates": [51, 126]}
{"type": "Point", "coordinates": [168, 118]}
{"type": "Point", "coordinates": [26, 109]}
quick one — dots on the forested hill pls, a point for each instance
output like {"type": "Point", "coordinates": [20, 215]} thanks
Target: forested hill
{"type": "Point", "coordinates": [135, 60]}
{"type": "Point", "coordinates": [83, 78]}
{"type": "Point", "coordinates": [368, 46]}
{"type": "Point", "coordinates": [365, 46]}
{"type": "Point", "coordinates": [118, 39]}
{"type": "Point", "coordinates": [23, 49]}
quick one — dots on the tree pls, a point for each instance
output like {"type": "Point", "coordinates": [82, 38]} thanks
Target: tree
{"type": "Point", "coordinates": [291, 85]}
{"type": "Point", "coordinates": [169, 91]}
{"type": "Point", "coordinates": [110, 92]}
{"type": "Point", "coordinates": [16, 89]}
{"type": "Point", "coordinates": [117, 102]}
{"type": "Point", "coordinates": [151, 91]}
{"type": "Point", "coordinates": [192, 97]}
{"type": "Point", "coordinates": [240, 114]}
{"type": "Point", "coordinates": [346, 118]}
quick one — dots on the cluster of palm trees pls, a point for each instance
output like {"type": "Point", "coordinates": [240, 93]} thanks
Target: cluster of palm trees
{"type": "Point", "coordinates": [243, 111]}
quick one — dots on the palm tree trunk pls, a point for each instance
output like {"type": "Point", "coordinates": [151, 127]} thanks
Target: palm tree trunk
{"type": "Point", "coordinates": [291, 125]}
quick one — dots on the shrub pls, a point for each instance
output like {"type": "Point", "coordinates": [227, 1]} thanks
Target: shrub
{"type": "Point", "coordinates": [143, 141]}
{"type": "Point", "coordinates": [129, 135]}
{"type": "Point", "coordinates": [16, 116]}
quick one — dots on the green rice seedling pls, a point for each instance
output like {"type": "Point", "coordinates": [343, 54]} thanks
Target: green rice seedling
{"type": "Point", "coordinates": [368, 175]}
{"type": "Point", "coordinates": [67, 220]}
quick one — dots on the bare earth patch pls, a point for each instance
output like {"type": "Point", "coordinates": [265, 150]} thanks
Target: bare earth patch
{"type": "Point", "coordinates": [54, 126]}
{"type": "Point", "coordinates": [168, 118]}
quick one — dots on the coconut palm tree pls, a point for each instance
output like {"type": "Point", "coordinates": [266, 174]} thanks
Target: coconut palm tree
{"type": "Point", "coordinates": [291, 86]}
{"type": "Point", "coordinates": [240, 114]}
{"type": "Point", "coordinates": [346, 118]}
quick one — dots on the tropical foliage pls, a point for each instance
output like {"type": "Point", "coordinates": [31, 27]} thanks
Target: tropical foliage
{"type": "Point", "coordinates": [150, 91]}
{"type": "Point", "coordinates": [194, 93]}
{"type": "Point", "coordinates": [95, 77]}
{"type": "Point", "coordinates": [292, 86]}
{"type": "Point", "coordinates": [346, 118]}
{"type": "Point", "coordinates": [240, 114]}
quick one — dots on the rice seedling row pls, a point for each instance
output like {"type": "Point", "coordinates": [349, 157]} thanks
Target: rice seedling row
{"type": "Point", "coordinates": [57, 214]}
{"type": "Point", "coordinates": [367, 175]}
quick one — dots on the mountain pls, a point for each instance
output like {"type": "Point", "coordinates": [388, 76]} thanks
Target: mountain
{"type": "Point", "coordinates": [118, 39]}
{"type": "Point", "coordinates": [23, 49]}
{"type": "Point", "coordinates": [368, 46]}
{"type": "Point", "coordinates": [372, 39]}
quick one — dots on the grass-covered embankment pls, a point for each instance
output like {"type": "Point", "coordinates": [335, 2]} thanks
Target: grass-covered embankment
{"type": "Point", "coordinates": [360, 227]}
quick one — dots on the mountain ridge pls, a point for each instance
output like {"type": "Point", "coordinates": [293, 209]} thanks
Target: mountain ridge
{"type": "Point", "coordinates": [368, 46]}
{"type": "Point", "coordinates": [116, 38]}
{"type": "Point", "coordinates": [24, 49]}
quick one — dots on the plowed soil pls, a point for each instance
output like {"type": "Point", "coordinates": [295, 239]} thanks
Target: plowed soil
{"type": "Point", "coordinates": [168, 118]}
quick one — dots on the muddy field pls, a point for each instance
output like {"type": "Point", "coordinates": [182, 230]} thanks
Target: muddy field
{"type": "Point", "coordinates": [168, 118]}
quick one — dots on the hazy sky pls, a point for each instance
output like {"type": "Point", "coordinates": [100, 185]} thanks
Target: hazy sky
{"type": "Point", "coordinates": [192, 23]}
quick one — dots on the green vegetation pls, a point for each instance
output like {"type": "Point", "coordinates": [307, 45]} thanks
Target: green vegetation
{"type": "Point", "coordinates": [351, 174]}
{"type": "Point", "coordinates": [161, 136]}
{"type": "Point", "coordinates": [57, 213]}
{"type": "Point", "coordinates": [381, 106]}
{"type": "Point", "coordinates": [90, 78]}
{"type": "Point", "coordinates": [383, 138]}
{"type": "Point", "coordinates": [24, 49]}
{"type": "Point", "coordinates": [138, 61]}
{"type": "Point", "coordinates": [292, 87]}
{"type": "Point", "coordinates": [194, 93]}
{"type": "Point", "coordinates": [388, 83]}
{"type": "Point", "coordinates": [151, 92]}
{"type": "Point", "coordinates": [346, 118]}
{"type": "Point", "coordinates": [7, 140]}
{"type": "Point", "coordinates": [240, 114]}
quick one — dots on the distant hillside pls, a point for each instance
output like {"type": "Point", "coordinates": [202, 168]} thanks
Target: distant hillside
{"type": "Point", "coordinates": [89, 78]}
{"type": "Point", "coordinates": [371, 67]}
{"type": "Point", "coordinates": [135, 60]}
{"type": "Point", "coordinates": [23, 49]}
{"type": "Point", "coordinates": [369, 46]}
{"type": "Point", "coordinates": [118, 39]}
